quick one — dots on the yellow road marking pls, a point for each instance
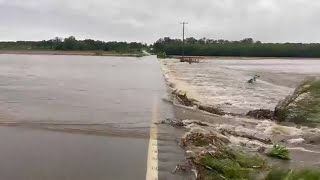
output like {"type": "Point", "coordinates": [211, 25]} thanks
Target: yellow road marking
{"type": "Point", "coordinates": [152, 164]}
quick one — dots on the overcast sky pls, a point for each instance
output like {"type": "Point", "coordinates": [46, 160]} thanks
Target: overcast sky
{"type": "Point", "coordinates": [148, 20]}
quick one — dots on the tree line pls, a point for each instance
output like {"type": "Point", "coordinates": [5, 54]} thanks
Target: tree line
{"type": "Point", "coordinates": [71, 43]}
{"type": "Point", "coordinates": [193, 47]}
{"type": "Point", "coordinates": [246, 48]}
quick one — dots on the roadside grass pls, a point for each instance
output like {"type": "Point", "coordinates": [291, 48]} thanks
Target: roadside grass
{"type": "Point", "coordinates": [231, 164]}
{"type": "Point", "coordinates": [161, 55]}
{"type": "Point", "coordinates": [280, 152]}
{"type": "Point", "coordinates": [303, 106]}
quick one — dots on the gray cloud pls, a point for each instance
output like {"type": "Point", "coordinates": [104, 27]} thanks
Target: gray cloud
{"type": "Point", "coordinates": [148, 20]}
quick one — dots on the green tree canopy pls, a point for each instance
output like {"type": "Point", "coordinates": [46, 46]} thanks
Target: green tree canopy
{"type": "Point", "coordinates": [246, 47]}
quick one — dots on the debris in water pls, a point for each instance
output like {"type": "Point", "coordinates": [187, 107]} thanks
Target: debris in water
{"type": "Point", "coordinates": [201, 139]}
{"type": "Point", "coordinates": [253, 79]}
{"type": "Point", "coordinates": [172, 122]}
{"type": "Point", "coordinates": [261, 114]}
{"type": "Point", "coordinates": [245, 133]}
{"type": "Point", "coordinates": [197, 122]}
{"type": "Point", "coordinates": [182, 168]}
{"type": "Point", "coordinates": [183, 98]}
{"type": "Point", "coordinates": [211, 109]}
{"type": "Point", "coordinates": [186, 101]}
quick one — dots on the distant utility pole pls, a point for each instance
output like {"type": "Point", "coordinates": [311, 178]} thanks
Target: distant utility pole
{"type": "Point", "coordinates": [183, 24]}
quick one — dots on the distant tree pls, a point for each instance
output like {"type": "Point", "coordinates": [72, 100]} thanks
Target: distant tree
{"type": "Point", "coordinates": [57, 40]}
{"type": "Point", "coordinates": [191, 40]}
{"type": "Point", "coordinates": [247, 40]}
{"type": "Point", "coordinates": [202, 41]}
{"type": "Point", "coordinates": [57, 43]}
{"type": "Point", "coordinates": [88, 44]}
{"type": "Point", "coordinates": [70, 43]}
{"type": "Point", "coordinates": [221, 41]}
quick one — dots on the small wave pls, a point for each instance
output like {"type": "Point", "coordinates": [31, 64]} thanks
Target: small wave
{"type": "Point", "coordinates": [303, 149]}
{"type": "Point", "coordinates": [84, 128]}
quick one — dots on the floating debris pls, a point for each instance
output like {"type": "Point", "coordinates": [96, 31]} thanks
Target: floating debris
{"type": "Point", "coordinates": [245, 133]}
{"type": "Point", "coordinates": [261, 114]}
{"type": "Point", "coordinates": [253, 79]}
{"type": "Point", "coordinates": [211, 109]}
{"type": "Point", "coordinates": [173, 122]}
{"type": "Point", "coordinates": [183, 98]}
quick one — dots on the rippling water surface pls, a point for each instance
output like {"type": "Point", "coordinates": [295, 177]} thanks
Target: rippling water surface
{"type": "Point", "coordinates": [58, 90]}
{"type": "Point", "coordinates": [224, 82]}
{"type": "Point", "coordinates": [106, 104]}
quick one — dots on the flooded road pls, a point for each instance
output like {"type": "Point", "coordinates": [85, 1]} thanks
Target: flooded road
{"type": "Point", "coordinates": [36, 154]}
{"type": "Point", "coordinates": [115, 91]}
{"type": "Point", "coordinates": [78, 117]}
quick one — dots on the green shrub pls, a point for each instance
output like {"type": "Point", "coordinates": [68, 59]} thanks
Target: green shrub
{"type": "Point", "coordinates": [232, 164]}
{"type": "Point", "coordinates": [303, 106]}
{"type": "Point", "coordinates": [280, 152]}
{"type": "Point", "coordinates": [162, 55]}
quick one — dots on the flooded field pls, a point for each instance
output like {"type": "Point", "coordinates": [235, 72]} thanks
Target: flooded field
{"type": "Point", "coordinates": [223, 83]}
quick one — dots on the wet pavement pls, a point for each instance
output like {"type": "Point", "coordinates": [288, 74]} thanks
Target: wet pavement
{"type": "Point", "coordinates": [79, 117]}
{"type": "Point", "coordinates": [37, 154]}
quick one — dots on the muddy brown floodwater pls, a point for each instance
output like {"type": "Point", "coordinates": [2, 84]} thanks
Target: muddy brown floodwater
{"type": "Point", "coordinates": [78, 117]}
{"type": "Point", "coordinates": [222, 82]}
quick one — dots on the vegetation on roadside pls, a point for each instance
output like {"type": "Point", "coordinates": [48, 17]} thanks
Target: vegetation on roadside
{"type": "Point", "coordinates": [303, 106]}
{"type": "Point", "coordinates": [231, 164]}
{"type": "Point", "coordinates": [161, 55]}
{"type": "Point", "coordinates": [71, 43]}
{"type": "Point", "coordinates": [212, 156]}
{"type": "Point", "coordinates": [280, 152]}
{"type": "Point", "coordinates": [244, 48]}
{"type": "Point", "coordinates": [234, 164]}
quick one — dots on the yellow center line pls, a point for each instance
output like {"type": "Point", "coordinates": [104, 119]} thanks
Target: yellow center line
{"type": "Point", "coordinates": [152, 164]}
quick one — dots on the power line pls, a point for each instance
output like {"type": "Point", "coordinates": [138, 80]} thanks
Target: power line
{"type": "Point", "coordinates": [183, 24]}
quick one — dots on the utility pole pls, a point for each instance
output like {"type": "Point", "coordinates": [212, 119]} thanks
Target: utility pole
{"type": "Point", "coordinates": [183, 24]}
